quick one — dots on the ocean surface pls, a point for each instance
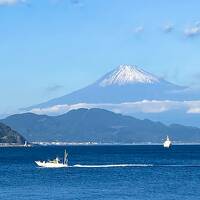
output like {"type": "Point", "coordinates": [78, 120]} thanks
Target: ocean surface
{"type": "Point", "coordinates": [137, 172]}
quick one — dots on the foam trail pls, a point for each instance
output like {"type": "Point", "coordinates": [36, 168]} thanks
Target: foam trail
{"type": "Point", "coordinates": [177, 165]}
{"type": "Point", "coordinates": [131, 165]}
{"type": "Point", "coordinates": [112, 165]}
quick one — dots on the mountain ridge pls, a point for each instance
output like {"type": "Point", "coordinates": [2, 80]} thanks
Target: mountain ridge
{"type": "Point", "coordinates": [97, 125]}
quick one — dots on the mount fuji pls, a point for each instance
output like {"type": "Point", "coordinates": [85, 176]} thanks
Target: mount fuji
{"type": "Point", "coordinates": [126, 83]}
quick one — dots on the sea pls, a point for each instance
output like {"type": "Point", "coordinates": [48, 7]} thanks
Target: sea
{"type": "Point", "coordinates": [114, 172]}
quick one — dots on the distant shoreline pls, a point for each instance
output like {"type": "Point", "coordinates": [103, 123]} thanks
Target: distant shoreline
{"type": "Point", "coordinates": [109, 143]}
{"type": "Point", "coordinates": [32, 144]}
{"type": "Point", "coordinates": [99, 144]}
{"type": "Point", "coordinates": [14, 145]}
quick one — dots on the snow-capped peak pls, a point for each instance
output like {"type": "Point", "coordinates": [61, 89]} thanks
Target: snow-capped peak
{"type": "Point", "coordinates": [127, 74]}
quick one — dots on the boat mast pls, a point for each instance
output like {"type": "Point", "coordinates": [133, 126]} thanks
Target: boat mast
{"type": "Point", "coordinates": [65, 158]}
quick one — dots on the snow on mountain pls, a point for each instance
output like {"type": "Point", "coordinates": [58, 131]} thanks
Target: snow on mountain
{"type": "Point", "coordinates": [127, 74]}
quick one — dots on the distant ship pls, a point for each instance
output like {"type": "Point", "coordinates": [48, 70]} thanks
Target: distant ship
{"type": "Point", "coordinates": [167, 143]}
{"type": "Point", "coordinates": [26, 144]}
{"type": "Point", "coordinates": [56, 163]}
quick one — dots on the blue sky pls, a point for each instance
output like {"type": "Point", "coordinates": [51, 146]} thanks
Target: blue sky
{"type": "Point", "coordinates": [51, 47]}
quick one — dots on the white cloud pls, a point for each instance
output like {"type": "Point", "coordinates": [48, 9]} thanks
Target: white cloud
{"type": "Point", "coordinates": [193, 107]}
{"type": "Point", "coordinates": [11, 2]}
{"type": "Point", "coordinates": [54, 88]}
{"type": "Point", "coordinates": [78, 3]}
{"type": "Point", "coordinates": [139, 29]}
{"type": "Point", "coordinates": [193, 31]}
{"type": "Point", "coordinates": [60, 109]}
{"type": "Point", "coordinates": [168, 28]}
{"type": "Point", "coordinates": [145, 106]}
{"type": "Point", "coordinates": [194, 110]}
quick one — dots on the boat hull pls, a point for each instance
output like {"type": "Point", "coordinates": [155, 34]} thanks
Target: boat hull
{"type": "Point", "coordinates": [50, 165]}
{"type": "Point", "coordinates": [167, 144]}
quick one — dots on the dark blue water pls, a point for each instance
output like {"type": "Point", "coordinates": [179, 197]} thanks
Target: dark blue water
{"type": "Point", "coordinates": [153, 173]}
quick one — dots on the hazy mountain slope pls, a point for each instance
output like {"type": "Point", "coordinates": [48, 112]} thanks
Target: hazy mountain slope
{"type": "Point", "coordinates": [97, 125]}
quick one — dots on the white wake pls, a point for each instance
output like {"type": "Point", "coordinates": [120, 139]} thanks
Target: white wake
{"type": "Point", "coordinates": [112, 165]}
{"type": "Point", "coordinates": [133, 165]}
{"type": "Point", "coordinates": [130, 165]}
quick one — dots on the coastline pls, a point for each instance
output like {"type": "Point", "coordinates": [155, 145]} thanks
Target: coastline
{"type": "Point", "coordinates": [14, 145]}
{"type": "Point", "coordinates": [108, 144]}
{"type": "Point", "coordinates": [44, 144]}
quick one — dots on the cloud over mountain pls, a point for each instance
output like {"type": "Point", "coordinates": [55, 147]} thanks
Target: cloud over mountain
{"type": "Point", "coordinates": [145, 106]}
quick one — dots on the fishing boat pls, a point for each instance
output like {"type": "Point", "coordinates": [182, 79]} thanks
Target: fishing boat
{"type": "Point", "coordinates": [56, 163]}
{"type": "Point", "coordinates": [167, 143]}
